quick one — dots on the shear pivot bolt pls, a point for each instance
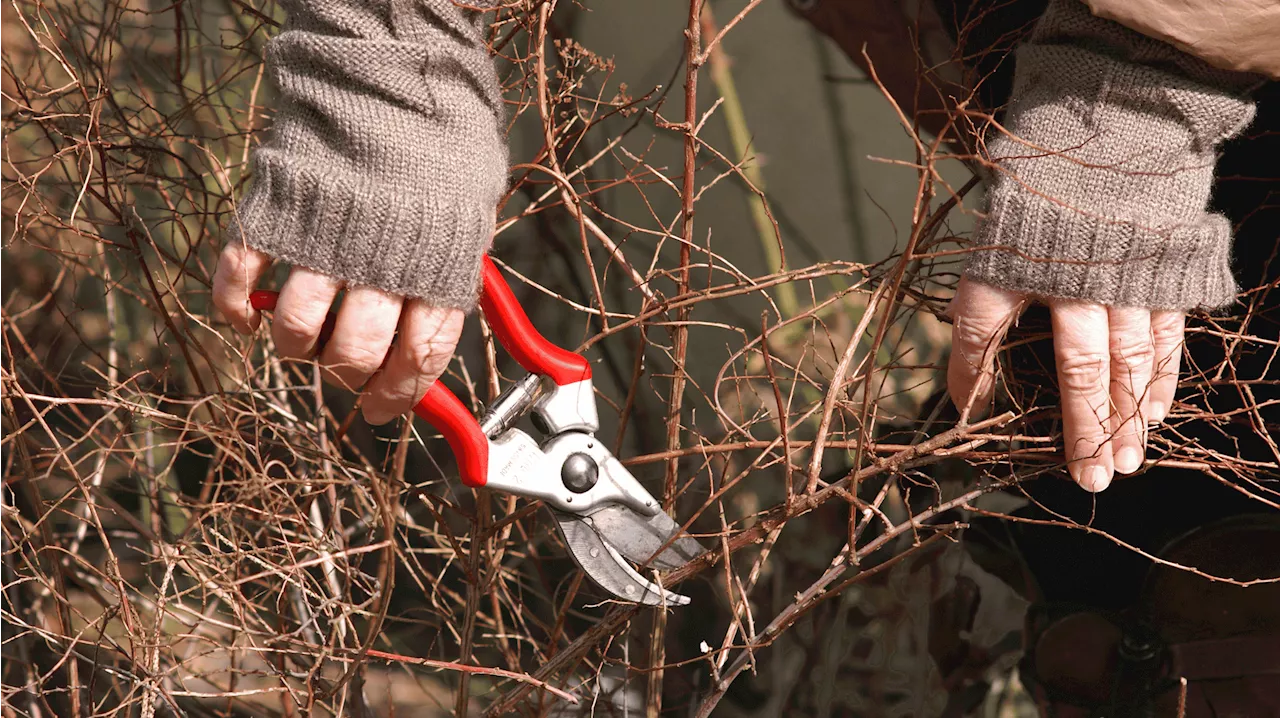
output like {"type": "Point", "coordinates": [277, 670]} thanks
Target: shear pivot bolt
{"type": "Point", "coordinates": [579, 472]}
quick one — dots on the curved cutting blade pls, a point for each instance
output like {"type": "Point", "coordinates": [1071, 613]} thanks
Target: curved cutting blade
{"type": "Point", "coordinates": [638, 537]}
{"type": "Point", "coordinates": [608, 569]}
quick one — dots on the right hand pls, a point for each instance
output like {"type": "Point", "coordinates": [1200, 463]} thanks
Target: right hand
{"type": "Point", "coordinates": [390, 347]}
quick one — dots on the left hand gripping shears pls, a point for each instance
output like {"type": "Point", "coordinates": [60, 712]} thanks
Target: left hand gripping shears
{"type": "Point", "coordinates": [604, 514]}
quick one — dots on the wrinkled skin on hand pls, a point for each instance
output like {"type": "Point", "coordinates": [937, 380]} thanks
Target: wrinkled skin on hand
{"type": "Point", "coordinates": [1117, 370]}
{"type": "Point", "coordinates": [388, 347]}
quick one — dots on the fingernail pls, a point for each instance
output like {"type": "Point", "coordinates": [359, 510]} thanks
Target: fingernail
{"type": "Point", "coordinates": [1158, 411]}
{"type": "Point", "coordinates": [375, 419]}
{"type": "Point", "coordinates": [1094, 478]}
{"type": "Point", "coordinates": [1128, 460]}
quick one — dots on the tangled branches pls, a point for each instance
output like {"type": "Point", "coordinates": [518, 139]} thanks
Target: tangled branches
{"type": "Point", "coordinates": [192, 527]}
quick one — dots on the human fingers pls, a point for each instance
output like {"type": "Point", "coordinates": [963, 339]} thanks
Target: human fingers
{"type": "Point", "coordinates": [1080, 343]}
{"type": "Point", "coordinates": [300, 312]}
{"type": "Point", "coordinates": [1167, 331]}
{"type": "Point", "coordinates": [427, 338]}
{"type": "Point", "coordinates": [238, 272]}
{"type": "Point", "coordinates": [1132, 357]}
{"type": "Point", "coordinates": [362, 334]}
{"type": "Point", "coordinates": [980, 314]}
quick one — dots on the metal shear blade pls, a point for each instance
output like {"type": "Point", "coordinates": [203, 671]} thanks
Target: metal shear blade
{"type": "Point", "coordinates": [639, 538]}
{"type": "Point", "coordinates": [607, 568]}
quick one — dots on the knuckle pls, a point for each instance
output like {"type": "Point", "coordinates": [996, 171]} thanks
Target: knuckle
{"type": "Point", "coordinates": [233, 259]}
{"type": "Point", "coordinates": [1167, 330]}
{"type": "Point", "coordinates": [428, 356]}
{"type": "Point", "coordinates": [295, 325]}
{"type": "Point", "coordinates": [974, 340]}
{"type": "Point", "coordinates": [1082, 371]}
{"type": "Point", "coordinates": [355, 357]}
{"type": "Point", "coordinates": [1131, 352]}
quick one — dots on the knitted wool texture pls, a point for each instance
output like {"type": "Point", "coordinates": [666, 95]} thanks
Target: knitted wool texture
{"type": "Point", "coordinates": [387, 155]}
{"type": "Point", "coordinates": [1100, 188]}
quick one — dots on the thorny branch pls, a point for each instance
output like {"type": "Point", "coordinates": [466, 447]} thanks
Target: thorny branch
{"type": "Point", "coordinates": [195, 527]}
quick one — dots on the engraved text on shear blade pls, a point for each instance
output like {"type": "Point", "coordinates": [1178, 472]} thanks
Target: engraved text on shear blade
{"type": "Point", "coordinates": [520, 463]}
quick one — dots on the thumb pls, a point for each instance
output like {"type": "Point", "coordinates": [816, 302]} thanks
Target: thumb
{"type": "Point", "coordinates": [981, 314]}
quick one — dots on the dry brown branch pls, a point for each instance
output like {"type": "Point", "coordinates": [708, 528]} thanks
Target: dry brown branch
{"type": "Point", "coordinates": [192, 526]}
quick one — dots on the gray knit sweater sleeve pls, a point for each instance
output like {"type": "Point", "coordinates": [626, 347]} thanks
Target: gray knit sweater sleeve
{"type": "Point", "coordinates": [386, 157]}
{"type": "Point", "coordinates": [1099, 188]}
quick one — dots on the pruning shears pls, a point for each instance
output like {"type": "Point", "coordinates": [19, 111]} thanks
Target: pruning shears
{"type": "Point", "coordinates": [606, 517]}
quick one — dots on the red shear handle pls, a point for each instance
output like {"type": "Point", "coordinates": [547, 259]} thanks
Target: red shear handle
{"type": "Point", "coordinates": [263, 300]}
{"type": "Point", "coordinates": [522, 341]}
{"type": "Point", "coordinates": [440, 408]}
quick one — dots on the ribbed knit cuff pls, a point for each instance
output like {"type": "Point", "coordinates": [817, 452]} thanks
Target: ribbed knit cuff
{"type": "Point", "coordinates": [1099, 188]}
{"type": "Point", "coordinates": [408, 245]}
{"type": "Point", "coordinates": [387, 155]}
{"type": "Point", "coordinates": [1046, 250]}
